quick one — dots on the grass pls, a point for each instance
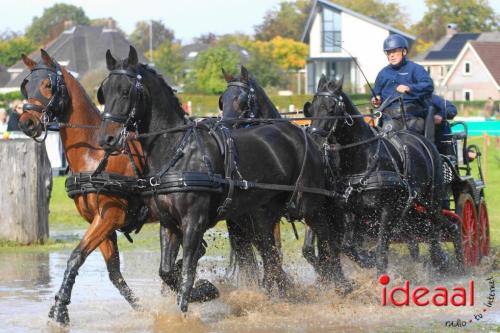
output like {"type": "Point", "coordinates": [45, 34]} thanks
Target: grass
{"type": "Point", "coordinates": [64, 218]}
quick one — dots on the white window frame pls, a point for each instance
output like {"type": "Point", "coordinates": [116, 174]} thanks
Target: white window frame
{"type": "Point", "coordinates": [465, 67]}
{"type": "Point", "coordinates": [471, 95]}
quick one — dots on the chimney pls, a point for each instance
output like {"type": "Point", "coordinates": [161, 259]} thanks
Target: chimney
{"type": "Point", "coordinates": [451, 29]}
{"type": "Point", "coordinates": [110, 23]}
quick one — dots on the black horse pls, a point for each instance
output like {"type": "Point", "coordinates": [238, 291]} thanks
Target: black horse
{"type": "Point", "coordinates": [245, 99]}
{"type": "Point", "coordinates": [184, 160]}
{"type": "Point", "coordinates": [382, 175]}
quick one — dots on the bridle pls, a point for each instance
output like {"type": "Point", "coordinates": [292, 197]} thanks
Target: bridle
{"type": "Point", "coordinates": [50, 108]}
{"type": "Point", "coordinates": [246, 99]}
{"type": "Point", "coordinates": [339, 105]}
{"type": "Point", "coordinates": [137, 96]}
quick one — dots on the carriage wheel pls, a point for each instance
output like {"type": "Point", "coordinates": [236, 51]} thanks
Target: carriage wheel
{"type": "Point", "coordinates": [470, 235]}
{"type": "Point", "coordinates": [484, 229]}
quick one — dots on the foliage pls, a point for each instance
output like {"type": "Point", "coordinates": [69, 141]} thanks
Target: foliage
{"type": "Point", "coordinates": [51, 23]}
{"type": "Point", "coordinates": [387, 12]}
{"type": "Point", "coordinates": [206, 76]}
{"type": "Point", "coordinates": [169, 60]}
{"type": "Point", "coordinates": [11, 50]}
{"type": "Point", "coordinates": [469, 15]}
{"type": "Point", "coordinates": [140, 36]}
{"type": "Point", "coordinates": [106, 22]}
{"type": "Point", "coordinates": [287, 21]}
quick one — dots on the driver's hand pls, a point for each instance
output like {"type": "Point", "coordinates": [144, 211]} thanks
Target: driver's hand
{"type": "Point", "coordinates": [376, 101]}
{"type": "Point", "coordinates": [402, 89]}
{"type": "Point", "coordinates": [438, 119]}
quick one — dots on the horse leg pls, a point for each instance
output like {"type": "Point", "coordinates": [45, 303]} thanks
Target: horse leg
{"type": "Point", "coordinates": [383, 240]}
{"type": "Point", "coordinates": [169, 271]}
{"type": "Point", "coordinates": [353, 242]}
{"type": "Point", "coordinates": [243, 260]}
{"type": "Point", "coordinates": [308, 249]}
{"type": "Point", "coordinates": [193, 225]}
{"type": "Point", "coordinates": [265, 241]}
{"type": "Point", "coordinates": [439, 258]}
{"type": "Point", "coordinates": [109, 250]}
{"type": "Point", "coordinates": [98, 230]}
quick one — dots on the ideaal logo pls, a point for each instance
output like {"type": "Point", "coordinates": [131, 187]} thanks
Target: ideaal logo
{"type": "Point", "coordinates": [438, 296]}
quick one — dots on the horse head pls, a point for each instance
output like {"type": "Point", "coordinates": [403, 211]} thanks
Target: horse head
{"type": "Point", "coordinates": [327, 107]}
{"type": "Point", "coordinates": [245, 98]}
{"type": "Point", "coordinates": [125, 99]}
{"type": "Point", "coordinates": [46, 95]}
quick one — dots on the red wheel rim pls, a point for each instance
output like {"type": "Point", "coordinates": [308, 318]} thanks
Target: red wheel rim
{"type": "Point", "coordinates": [469, 233]}
{"type": "Point", "coordinates": [484, 223]}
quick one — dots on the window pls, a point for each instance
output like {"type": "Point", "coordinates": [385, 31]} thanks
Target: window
{"type": "Point", "coordinates": [330, 31]}
{"type": "Point", "coordinates": [467, 95]}
{"type": "Point", "coordinates": [467, 68]}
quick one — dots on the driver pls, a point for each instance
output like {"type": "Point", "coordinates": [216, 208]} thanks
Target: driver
{"type": "Point", "coordinates": [405, 77]}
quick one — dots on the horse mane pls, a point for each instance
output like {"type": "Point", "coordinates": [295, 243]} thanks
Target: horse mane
{"type": "Point", "coordinates": [170, 92]}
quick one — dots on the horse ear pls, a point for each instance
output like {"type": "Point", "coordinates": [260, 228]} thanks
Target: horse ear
{"type": "Point", "coordinates": [340, 83]}
{"type": "Point", "coordinates": [30, 63]}
{"type": "Point", "coordinates": [133, 59]}
{"type": "Point", "coordinates": [47, 60]}
{"type": "Point", "coordinates": [244, 74]}
{"type": "Point", "coordinates": [228, 77]}
{"type": "Point", "coordinates": [307, 110]}
{"type": "Point", "coordinates": [321, 82]}
{"type": "Point", "coordinates": [110, 61]}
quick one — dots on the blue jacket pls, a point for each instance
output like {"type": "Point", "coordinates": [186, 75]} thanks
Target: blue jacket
{"type": "Point", "coordinates": [444, 108]}
{"type": "Point", "coordinates": [409, 74]}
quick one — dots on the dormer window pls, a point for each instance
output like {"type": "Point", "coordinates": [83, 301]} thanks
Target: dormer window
{"type": "Point", "coordinates": [330, 31]}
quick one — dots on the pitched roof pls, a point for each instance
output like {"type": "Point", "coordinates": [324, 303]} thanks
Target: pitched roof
{"type": "Point", "coordinates": [326, 3]}
{"type": "Point", "coordinates": [448, 47]}
{"type": "Point", "coordinates": [191, 51]}
{"type": "Point", "coordinates": [4, 76]}
{"type": "Point", "coordinates": [80, 49]}
{"type": "Point", "coordinates": [489, 53]}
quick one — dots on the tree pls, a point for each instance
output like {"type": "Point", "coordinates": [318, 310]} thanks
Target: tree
{"type": "Point", "coordinates": [140, 36]}
{"type": "Point", "coordinates": [169, 60]}
{"type": "Point", "coordinates": [468, 15]}
{"type": "Point", "coordinates": [270, 60]}
{"type": "Point", "coordinates": [389, 13]}
{"type": "Point", "coordinates": [11, 50]}
{"type": "Point", "coordinates": [287, 21]}
{"type": "Point", "coordinates": [206, 76]}
{"type": "Point", "coordinates": [50, 25]}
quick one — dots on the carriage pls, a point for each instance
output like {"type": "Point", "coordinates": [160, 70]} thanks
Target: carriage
{"type": "Point", "coordinates": [469, 210]}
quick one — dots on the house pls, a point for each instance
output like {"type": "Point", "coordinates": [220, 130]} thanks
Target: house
{"type": "Point", "coordinates": [439, 58]}
{"type": "Point", "coordinates": [334, 33]}
{"type": "Point", "coordinates": [475, 74]}
{"type": "Point", "coordinates": [81, 49]}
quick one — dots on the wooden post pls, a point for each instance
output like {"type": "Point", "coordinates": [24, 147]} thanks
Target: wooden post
{"type": "Point", "coordinates": [26, 183]}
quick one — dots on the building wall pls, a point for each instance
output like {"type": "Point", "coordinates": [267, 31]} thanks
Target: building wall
{"type": "Point", "coordinates": [478, 82]}
{"type": "Point", "coordinates": [362, 39]}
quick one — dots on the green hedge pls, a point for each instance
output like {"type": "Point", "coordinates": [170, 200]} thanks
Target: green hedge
{"type": "Point", "coordinates": [209, 104]}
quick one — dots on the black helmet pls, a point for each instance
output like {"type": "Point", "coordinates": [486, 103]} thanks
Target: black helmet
{"type": "Point", "coordinates": [395, 42]}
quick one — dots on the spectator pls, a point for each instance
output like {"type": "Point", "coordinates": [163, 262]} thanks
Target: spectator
{"type": "Point", "coordinates": [17, 110]}
{"type": "Point", "coordinates": [3, 120]}
{"type": "Point", "coordinates": [444, 110]}
{"type": "Point", "coordinates": [489, 108]}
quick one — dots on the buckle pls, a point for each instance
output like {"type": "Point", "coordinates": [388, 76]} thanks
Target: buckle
{"type": "Point", "coordinates": [141, 183]}
{"type": "Point", "coordinates": [245, 185]}
{"type": "Point", "coordinates": [153, 181]}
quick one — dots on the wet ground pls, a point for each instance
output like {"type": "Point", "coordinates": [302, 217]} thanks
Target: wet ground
{"type": "Point", "coordinates": [28, 282]}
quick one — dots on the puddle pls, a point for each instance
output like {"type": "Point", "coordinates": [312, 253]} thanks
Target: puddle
{"type": "Point", "coordinates": [28, 282]}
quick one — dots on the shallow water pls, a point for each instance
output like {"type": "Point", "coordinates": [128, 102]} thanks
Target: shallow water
{"type": "Point", "coordinates": [28, 282]}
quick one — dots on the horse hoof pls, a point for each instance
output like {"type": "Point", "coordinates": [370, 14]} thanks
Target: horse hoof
{"type": "Point", "coordinates": [203, 291]}
{"type": "Point", "coordinates": [182, 303]}
{"type": "Point", "coordinates": [60, 315]}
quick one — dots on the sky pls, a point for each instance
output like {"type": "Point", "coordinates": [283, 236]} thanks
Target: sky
{"type": "Point", "coordinates": [188, 19]}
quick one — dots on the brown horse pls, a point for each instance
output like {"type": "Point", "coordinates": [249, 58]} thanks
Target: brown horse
{"type": "Point", "coordinates": [105, 213]}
